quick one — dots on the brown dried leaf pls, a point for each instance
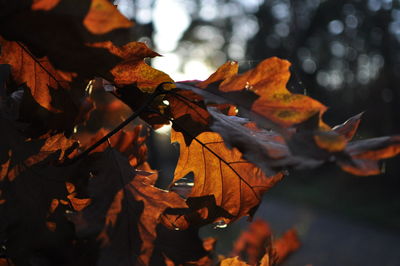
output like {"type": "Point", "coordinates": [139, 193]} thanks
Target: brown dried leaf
{"type": "Point", "coordinates": [38, 74]}
{"type": "Point", "coordinates": [285, 245]}
{"type": "Point", "coordinates": [235, 184]}
{"type": "Point", "coordinates": [260, 94]}
{"type": "Point", "coordinates": [132, 69]}
{"type": "Point", "coordinates": [250, 245]}
{"type": "Point", "coordinates": [223, 74]}
{"type": "Point", "coordinates": [45, 92]}
{"type": "Point", "coordinates": [104, 17]}
{"type": "Point", "coordinates": [124, 212]}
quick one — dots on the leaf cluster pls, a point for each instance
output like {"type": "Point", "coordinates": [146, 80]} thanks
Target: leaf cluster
{"type": "Point", "coordinates": [70, 200]}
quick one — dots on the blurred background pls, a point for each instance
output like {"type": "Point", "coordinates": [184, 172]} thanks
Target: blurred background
{"type": "Point", "coordinates": [345, 53]}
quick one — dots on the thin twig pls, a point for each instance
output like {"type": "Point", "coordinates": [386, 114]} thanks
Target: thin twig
{"type": "Point", "coordinates": [156, 93]}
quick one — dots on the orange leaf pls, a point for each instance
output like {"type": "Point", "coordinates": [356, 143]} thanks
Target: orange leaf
{"type": "Point", "coordinates": [376, 148]}
{"type": "Point", "coordinates": [251, 243]}
{"type": "Point", "coordinates": [268, 80]}
{"type": "Point", "coordinates": [330, 141]}
{"type": "Point", "coordinates": [233, 262]}
{"type": "Point", "coordinates": [44, 4]}
{"type": "Point", "coordinates": [286, 244]}
{"type": "Point", "coordinates": [133, 69]}
{"type": "Point", "coordinates": [57, 142]}
{"type": "Point", "coordinates": [38, 74]}
{"type": "Point", "coordinates": [236, 184]}
{"type": "Point", "coordinates": [260, 94]}
{"type": "Point", "coordinates": [223, 73]}
{"type": "Point", "coordinates": [77, 203]}
{"type": "Point", "coordinates": [119, 192]}
{"type": "Point", "coordinates": [365, 154]}
{"type": "Point", "coordinates": [104, 17]}
{"type": "Point", "coordinates": [155, 202]}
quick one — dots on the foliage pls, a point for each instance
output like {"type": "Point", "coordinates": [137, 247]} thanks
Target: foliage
{"type": "Point", "coordinates": [65, 203]}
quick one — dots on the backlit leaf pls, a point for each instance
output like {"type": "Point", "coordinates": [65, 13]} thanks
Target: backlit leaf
{"type": "Point", "coordinates": [125, 211]}
{"type": "Point", "coordinates": [272, 104]}
{"type": "Point", "coordinates": [132, 69]}
{"type": "Point", "coordinates": [39, 75]}
{"type": "Point", "coordinates": [104, 17]}
{"type": "Point", "coordinates": [236, 184]}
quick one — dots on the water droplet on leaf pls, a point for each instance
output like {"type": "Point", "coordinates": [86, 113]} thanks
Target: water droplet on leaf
{"type": "Point", "coordinates": [220, 224]}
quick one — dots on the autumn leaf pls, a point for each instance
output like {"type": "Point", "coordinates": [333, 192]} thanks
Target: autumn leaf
{"type": "Point", "coordinates": [363, 155]}
{"type": "Point", "coordinates": [78, 204]}
{"type": "Point", "coordinates": [271, 151]}
{"type": "Point", "coordinates": [285, 245]}
{"type": "Point", "coordinates": [31, 183]}
{"type": "Point", "coordinates": [104, 17]}
{"type": "Point", "coordinates": [56, 29]}
{"type": "Point", "coordinates": [38, 74]}
{"type": "Point", "coordinates": [349, 127]}
{"type": "Point", "coordinates": [260, 94]}
{"type": "Point", "coordinates": [85, 50]}
{"type": "Point", "coordinates": [187, 108]}
{"type": "Point", "coordinates": [256, 246]}
{"type": "Point", "coordinates": [123, 200]}
{"type": "Point", "coordinates": [307, 146]}
{"type": "Point", "coordinates": [131, 143]}
{"type": "Point", "coordinates": [235, 184]}
{"type": "Point", "coordinates": [251, 243]}
{"type": "Point", "coordinates": [132, 69]}
{"type": "Point", "coordinates": [266, 149]}
{"type": "Point", "coordinates": [233, 262]}
{"type": "Point", "coordinates": [101, 18]}
{"type": "Point", "coordinates": [223, 74]}
{"type": "Point", "coordinates": [43, 92]}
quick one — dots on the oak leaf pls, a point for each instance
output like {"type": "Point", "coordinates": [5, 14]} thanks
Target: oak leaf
{"type": "Point", "coordinates": [38, 74]}
{"type": "Point", "coordinates": [307, 145]}
{"type": "Point", "coordinates": [42, 93]}
{"type": "Point", "coordinates": [31, 182]}
{"type": "Point", "coordinates": [125, 211]}
{"type": "Point", "coordinates": [132, 69]}
{"type": "Point", "coordinates": [84, 48]}
{"type": "Point", "coordinates": [235, 184]}
{"type": "Point", "coordinates": [256, 246]}
{"type": "Point", "coordinates": [259, 94]}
